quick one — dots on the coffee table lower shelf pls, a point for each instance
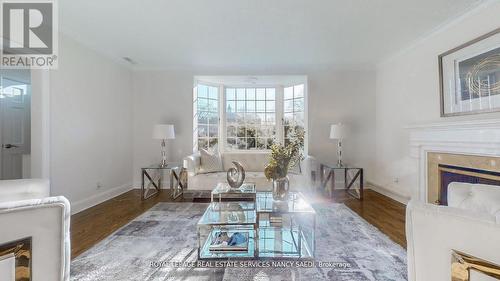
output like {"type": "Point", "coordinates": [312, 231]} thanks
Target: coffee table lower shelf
{"type": "Point", "coordinates": [273, 242]}
{"type": "Point", "coordinates": [204, 251]}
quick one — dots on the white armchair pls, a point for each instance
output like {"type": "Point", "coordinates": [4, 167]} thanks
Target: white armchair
{"type": "Point", "coordinates": [26, 210]}
{"type": "Point", "coordinates": [469, 224]}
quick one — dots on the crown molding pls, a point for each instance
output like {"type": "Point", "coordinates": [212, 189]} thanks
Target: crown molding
{"type": "Point", "coordinates": [457, 125]}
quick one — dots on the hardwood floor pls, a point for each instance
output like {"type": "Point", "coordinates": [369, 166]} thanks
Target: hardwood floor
{"type": "Point", "coordinates": [381, 211]}
{"type": "Point", "coordinates": [94, 224]}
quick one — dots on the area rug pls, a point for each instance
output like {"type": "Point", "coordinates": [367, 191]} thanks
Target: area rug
{"type": "Point", "coordinates": [146, 248]}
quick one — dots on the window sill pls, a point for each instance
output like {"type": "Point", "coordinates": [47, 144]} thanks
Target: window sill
{"type": "Point", "coordinates": [247, 151]}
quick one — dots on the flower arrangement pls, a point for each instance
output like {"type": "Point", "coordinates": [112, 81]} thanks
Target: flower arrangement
{"type": "Point", "coordinates": [283, 157]}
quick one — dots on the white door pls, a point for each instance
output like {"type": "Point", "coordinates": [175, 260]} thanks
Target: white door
{"type": "Point", "coordinates": [14, 128]}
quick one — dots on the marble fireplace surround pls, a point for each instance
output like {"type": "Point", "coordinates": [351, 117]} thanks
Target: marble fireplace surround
{"type": "Point", "coordinates": [469, 144]}
{"type": "Point", "coordinates": [434, 160]}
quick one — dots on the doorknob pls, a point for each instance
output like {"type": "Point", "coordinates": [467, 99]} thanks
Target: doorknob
{"type": "Point", "coordinates": [7, 146]}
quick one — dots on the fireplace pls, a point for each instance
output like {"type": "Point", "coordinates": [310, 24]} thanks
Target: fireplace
{"type": "Point", "coordinates": [444, 168]}
{"type": "Point", "coordinates": [450, 173]}
{"type": "Point", "coordinates": [473, 144]}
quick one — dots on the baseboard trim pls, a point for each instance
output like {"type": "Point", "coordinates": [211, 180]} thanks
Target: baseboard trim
{"type": "Point", "coordinates": [93, 200]}
{"type": "Point", "coordinates": [165, 185]}
{"type": "Point", "coordinates": [391, 194]}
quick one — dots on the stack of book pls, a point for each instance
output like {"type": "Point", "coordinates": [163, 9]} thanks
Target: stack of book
{"type": "Point", "coordinates": [276, 221]}
{"type": "Point", "coordinates": [220, 243]}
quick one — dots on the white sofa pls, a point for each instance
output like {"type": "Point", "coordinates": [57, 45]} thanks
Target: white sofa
{"type": "Point", "coordinates": [26, 210]}
{"type": "Point", "coordinates": [254, 164]}
{"type": "Point", "coordinates": [469, 224]}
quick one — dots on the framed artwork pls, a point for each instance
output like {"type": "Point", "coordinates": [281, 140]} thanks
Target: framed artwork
{"type": "Point", "coordinates": [469, 77]}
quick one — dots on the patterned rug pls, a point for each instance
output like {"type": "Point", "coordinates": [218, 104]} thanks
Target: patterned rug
{"type": "Point", "coordinates": [146, 248]}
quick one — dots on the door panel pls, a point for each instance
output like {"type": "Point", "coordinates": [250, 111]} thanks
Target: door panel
{"type": "Point", "coordinates": [14, 127]}
{"type": "Point", "coordinates": [12, 166]}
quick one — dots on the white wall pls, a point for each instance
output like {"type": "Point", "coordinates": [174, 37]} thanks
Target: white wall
{"type": "Point", "coordinates": [407, 92]}
{"type": "Point", "coordinates": [343, 96]}
{"type": "Point", "coordinates": [40, 124]}
{"type": "Point", "coordinates": [91, 131]}
{"type": "Point", "coordinates": [347, 96]}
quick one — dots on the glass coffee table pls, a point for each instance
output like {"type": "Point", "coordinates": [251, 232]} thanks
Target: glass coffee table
{"type": "Point", "coordinates": [286, 229]}
{"type": "Point", "coordinates": [227, 217]}
{"type": "Point", "coordinates": [274, 229]}
{"type": "Point", "coordinates": [223, 192]}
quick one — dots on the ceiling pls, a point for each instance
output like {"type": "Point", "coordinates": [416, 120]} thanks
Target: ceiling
{"type": "Point", "coordinates": [254, 33]}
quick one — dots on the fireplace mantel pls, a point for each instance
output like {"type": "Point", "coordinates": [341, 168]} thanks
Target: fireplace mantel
{"type": "Point", "coordinates": [459, 125]}
{"type": "Point", "coordinates": [478, 138]}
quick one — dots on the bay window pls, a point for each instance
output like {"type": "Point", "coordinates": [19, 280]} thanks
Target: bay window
{"type": "Point", "coordinates": [246, 118]}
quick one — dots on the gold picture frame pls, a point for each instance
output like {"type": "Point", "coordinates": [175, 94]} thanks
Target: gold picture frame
{"type": "Point", "coordinates": [462, 264]}
{"type": "Point", "coordinates": [21, 251]}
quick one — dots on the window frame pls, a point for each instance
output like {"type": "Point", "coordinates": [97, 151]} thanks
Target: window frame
{"type": "Point", "coordinates": [223, 146]}
{"type": "Point", "coordinates": [293, 99]}
{"type": "Point", "coordinates": [196, 113]}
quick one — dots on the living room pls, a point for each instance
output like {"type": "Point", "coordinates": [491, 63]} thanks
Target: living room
{"type": "Point", "coordinates": [334, 140]}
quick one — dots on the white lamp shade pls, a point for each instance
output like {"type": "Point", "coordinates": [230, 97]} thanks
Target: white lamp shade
{"type": "Point", "coordinates": [337, 131]}
{"type": "Point", "coordinates": [163, 132]}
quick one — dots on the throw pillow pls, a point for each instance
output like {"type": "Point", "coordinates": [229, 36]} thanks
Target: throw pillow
{"type": "Point", "coordinates": [210, 162]}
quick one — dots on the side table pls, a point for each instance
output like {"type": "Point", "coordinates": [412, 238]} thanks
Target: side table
{"type": "Point", "coordinates": [353, 177]}
{"type": "Point", "coordinates": [154, 174]}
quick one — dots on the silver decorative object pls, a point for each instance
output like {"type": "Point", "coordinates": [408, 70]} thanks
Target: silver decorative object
{"type": "Point", "coordinates": [281, 186]}
{"type": "Point", "coordinates": [236, 176]}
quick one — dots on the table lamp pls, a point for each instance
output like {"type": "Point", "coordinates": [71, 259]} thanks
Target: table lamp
{"type": "Point", "coordinates": [163, 132]}
{"type": "Point", "coordinates": [338, 132]}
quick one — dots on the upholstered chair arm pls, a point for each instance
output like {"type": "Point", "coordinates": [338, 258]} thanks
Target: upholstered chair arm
{"type": "Point", "coordinates": [432, 232]}
{"type": "Point", "coordinates": [46, 221]}
{"type": "Point", "coordinates": [192, 164]}
{"type": "Point", "coordinates": [15, 190]}
{"type": "Point", "coordinates": [309, 163]}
